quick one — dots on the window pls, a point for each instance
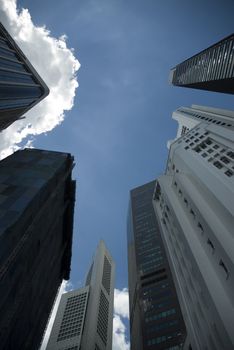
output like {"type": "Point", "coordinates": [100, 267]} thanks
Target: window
{"type": "Point", "coordinates": [229, 173]}
{"type": "Point", "coordinates": [224, 267]}
{"type": "Point", "coordinates": [230, 154]}
{"type": "Point", "coordinates": [208, 142]}
{"type": "Point", "coordinates": [198, 149]}
{"type": "Point", "coordinates": [200, 227]}
{"type": "Point", "coordinates": [193, 214]}
{"type": "Point", "coordinates": [218, 165]}
{"type": "Point", "coordinates": [225, 160]}
{"type": "Point", "coordinates": [211, 245]}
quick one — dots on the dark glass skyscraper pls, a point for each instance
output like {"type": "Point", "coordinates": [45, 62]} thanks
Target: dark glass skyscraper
{"type": "Point", "coordinates": [36, 222]}
{"type": "Point", "coordinates": [211, 69]}
{"type": "Point", "coordinates": [21, 87]}
{"type": "Point", "coordinates": [156, 321]}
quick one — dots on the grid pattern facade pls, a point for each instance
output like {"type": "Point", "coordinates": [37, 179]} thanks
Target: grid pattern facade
{"type": "Point", "coordinates": [211, 69]}
{"type": "Point", "coordinates": [188, 274]}
{"type": "Point", "coordinates": [214, 152]}
{"type": "Point", "coordinates": [85, 316]}
{"type": "Point", "coordinates": [102, 324]}
{"type": "Point", "coordinates": [106, 277]}
{"type": "Point", "coordinates": [73, 317]}
{"type": "Point", "coordinates": [153, 288]}
{"type": "Point", "coordinates": [20, 85]}
{"type": "Point", "coordinates": [194, 204]}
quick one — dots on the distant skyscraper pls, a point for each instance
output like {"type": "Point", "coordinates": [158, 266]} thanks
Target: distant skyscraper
{"type": "Point", "coordinates": [21, 87]}
{"type": "Point", "coordinates": [37, 198]}
{"type": "Point", "coordinates": [194, 203]}
{"type": "Point", "coordinates": [85, 316]}
{"type": "Point", "coordinates": [155, 317]}
{"type": "Point", "coordinates": [211, 69]}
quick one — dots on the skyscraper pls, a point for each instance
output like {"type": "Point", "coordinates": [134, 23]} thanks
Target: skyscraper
{"type": "Point", "coordinates": [194, 203]}
{"type": "Point", "coordinates": [84, 319]}
{"type": "Point", "coordinates": [211, 69]}
{"type": "Point", "coordinates": [21, 87]}
{"type": "Point", "coordinates": [156, 321]}
{"type": "Point", "coordinates": [189, 117]}
{"type": "Point", "coordinates": [37, 198]}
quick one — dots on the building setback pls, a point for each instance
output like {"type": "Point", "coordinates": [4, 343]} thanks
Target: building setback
{"type": "Point", "coordinates": [84, 319]}
{"type": "Point", "coordinates": [194, 203]}
{"type": "Point", "coordinates": [37, 198]}
{"type": "Point", "coordinates": [156, 321]}
{"type": "Point", "coordinates": [21, 87]}
{"type": "Point", "coordinates": [211, 69]}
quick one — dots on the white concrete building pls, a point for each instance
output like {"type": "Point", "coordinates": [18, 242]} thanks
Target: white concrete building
{"type": "Point", "coordinates": [194, 202]}
{"type": "Point", "coordinates": [189, 117]}
{"type": "Point", "coordinates": [84, 319]}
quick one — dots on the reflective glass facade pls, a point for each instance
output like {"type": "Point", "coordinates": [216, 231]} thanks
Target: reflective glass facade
{"type": "Point", "coordinates": [156, 321]}
{"type": "Point", "coordinates": [36, 224]}
{"type": "Point", "coordinates": [20, 85]}
{"type": "Point", "coordinates": [212, 69]}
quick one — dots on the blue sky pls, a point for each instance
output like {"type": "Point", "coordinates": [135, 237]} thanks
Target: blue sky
{"type": "Point", "coordinates": [121, 120]}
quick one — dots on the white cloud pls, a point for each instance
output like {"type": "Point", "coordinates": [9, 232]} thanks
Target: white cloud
{"type": "Point", "coordinates": [55, 63]}
{"type": "Point", "coordinates": [66, 286]}
{"type": "Point", "coordinates": [121, 303]}
{"type": "Point", "coordinates": [121, 312]}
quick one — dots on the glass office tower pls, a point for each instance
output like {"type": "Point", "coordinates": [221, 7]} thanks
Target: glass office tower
{"type": "Point", "coordinates": [211, 69]}
{"type": "Point", "coordinates": [37, 198]}
{"type": "Point", "coordinates": [21, 87]}
{"type": "Point", "coordinates": [156, 321]}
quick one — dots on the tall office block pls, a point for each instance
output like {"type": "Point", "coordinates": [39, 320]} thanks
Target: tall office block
{"type": "Point", "coordinates": [155, 317]}
{"type": "Point", "coordinates": [211, 69]}
{"type": "Point", "coordinates": [36, 220]}
{"type": "Point", "coordinates": [21, 87]}
{"type": "Point", "coordinates": [84, 318]}
{"type": "Point", "coordinates": [194, 203]}
{"type": "Point", "coordinates": [189, 117]}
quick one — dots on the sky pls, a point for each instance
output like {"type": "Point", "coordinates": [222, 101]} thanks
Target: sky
{"type": "Point", "coordinates": [117, 122]}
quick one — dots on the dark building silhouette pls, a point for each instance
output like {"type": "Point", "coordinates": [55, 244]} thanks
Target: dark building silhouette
{"type": "Point", "coordinates": [156, 321]}
{"type": "Point", "coordinates": [21, 87]}
{"type": "Point", "coordinates": [211, 69]}
{"type": "Point", "coordinates": [37, 198]}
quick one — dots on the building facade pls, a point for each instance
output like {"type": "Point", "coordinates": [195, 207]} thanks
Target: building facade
{"type": "Point", "coordinates": [84, 319]}
{"type": "Point", "coordinates": [194, 204]}
{"type": "Point", "coordinates": [21, 87]}
{"type": "Point", "coordinates": [156, 321]}
{"type": "Point", "coordinates": [37, 198]}
{"type": "Point", "coordinates": [211, 69]}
